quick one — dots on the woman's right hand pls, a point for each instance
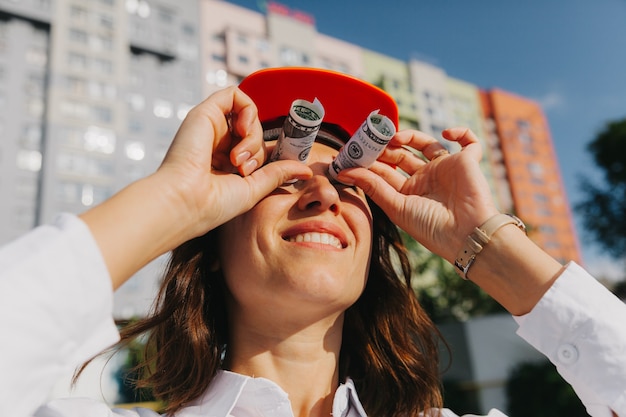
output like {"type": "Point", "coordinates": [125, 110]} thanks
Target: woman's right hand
{"type": "Point", "coordinates": [218, 138]}
{"type": "Point", "coordinates": [212, 172]}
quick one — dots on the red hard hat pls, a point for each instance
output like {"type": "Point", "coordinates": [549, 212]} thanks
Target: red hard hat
{"type": "Point", "coordinates": [347, 100]}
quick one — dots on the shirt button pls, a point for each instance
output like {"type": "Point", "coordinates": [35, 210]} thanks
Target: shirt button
{"type": "Point", "coordinates": [567, 354]}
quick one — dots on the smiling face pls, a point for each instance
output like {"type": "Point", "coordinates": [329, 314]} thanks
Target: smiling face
{"type": "Point", "coordinates": [304, 248]}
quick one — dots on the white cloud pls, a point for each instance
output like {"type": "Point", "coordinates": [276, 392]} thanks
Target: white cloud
{"type": "Point", "coordinates": [551, 101]}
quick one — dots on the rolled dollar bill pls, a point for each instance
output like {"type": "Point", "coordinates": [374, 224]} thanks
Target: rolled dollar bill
{"type": "Point", "coordinates": [365, 145]}
{"type": "Point", "coordinates": [299, 131]}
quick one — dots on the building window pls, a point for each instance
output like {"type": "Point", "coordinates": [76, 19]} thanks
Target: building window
{"type": "Point", "coordinates": [143, 9]}
{"type": "Point", "coordinates": [78, 13]}
{"type": "Point", "coordinates": [136, 101]}
{"type": "Point", "coordinates": [101, 43]}
{"type": "Point", "coordinates": [166, 16]}
{"type": "Point", "coordinates": [37, 56]}
{"type": "Point", "coordinates": [75, 85]}
{"type": "Point", "coordinates": [218, 57]}
{"type": "Point", "coordinates": [74, 109]}
{"type": "Point", "coordinates": [79, 36]}
{"type": "Point", "coordinates": [35, 84]}
{"type": "Point", "coordinates": [182, 111]}
{"type": "Point", "coordinates": [547, 229]}
{"type": "Point", "coordinates": [29, 160]}
{"type": "Point", "coordinates": [189, 30]}
{"type": "Point", "coordinates": [218, 78]}
{"type": "Point", "coordinates": [104, 66]}
{"type": "Point", "coordinates": [31, 137]}
{"type": "Point", "coordinates": [25, 188]}
{"type": "Point", "coordinates": [98, 89]}
{"type": "Point", "coordinates": [77, 61]}
{"type": "Point", "coordinates": [81, 193]}
{"type": "Point", "coordinates": [35, 106]}
{"type": "Point", "coordinates": [135, 126]}
{"type": "Point", "coordinates": [535, 170]}
{"type": "Point", "coordinates": [262, 45]}
{"type": "Point", "coordinates": [162, 109]}
{"type": "Point", "coordinates": [43, 5]}
{"type": "Point", "coordinates": [135, 151]}
{"type": "Point", "coordinates": [106, 21]}
{"type": "Point", "coordinates": [97, 139]}
{"type": "Point", "coordinates": [84, 165]}
{"type": "Point", "coordinates": [289, 56]}
{"type": "Point", "coordinates": [102, 114]}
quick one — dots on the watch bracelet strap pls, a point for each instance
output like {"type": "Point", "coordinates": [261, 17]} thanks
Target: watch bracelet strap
{"type": "Point", "coordinates": [479, 237]}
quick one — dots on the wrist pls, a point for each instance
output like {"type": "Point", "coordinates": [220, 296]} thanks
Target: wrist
{"type": "Point", "coordinates": [515, 271]}
{"type": "Point", "coordinates": [481, 236]}
{"type": "Point", "coordinates": [178, 199]}
{"type": "Point", "coordinates": [135, 226]}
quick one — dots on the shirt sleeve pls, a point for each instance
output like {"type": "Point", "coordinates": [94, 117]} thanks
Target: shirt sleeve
{"type": "Point", "coordinates": [56, 305]}
{"type": "Point", "coordinates": [580, 326]}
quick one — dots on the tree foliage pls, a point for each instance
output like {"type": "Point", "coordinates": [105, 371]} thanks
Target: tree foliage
{"type": "Point", "coordinates": [604, 206]}
{"type": "Point", "coordinates": [128, 374]}
{"type": "Point", "coordinates": [537, 389]}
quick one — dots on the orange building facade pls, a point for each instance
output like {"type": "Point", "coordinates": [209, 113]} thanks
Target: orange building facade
{"type": "Point", "coordinates": [525, 149]}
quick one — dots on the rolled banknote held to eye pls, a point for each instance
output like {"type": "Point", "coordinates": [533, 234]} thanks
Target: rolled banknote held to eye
{"type": "Point", "coordinates": [299, 131]}
{"type": "Point", "coordinates": [365, 145]}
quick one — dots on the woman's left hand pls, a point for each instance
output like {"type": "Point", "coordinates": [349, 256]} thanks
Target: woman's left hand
{"type": "Point", "coordinates": [445, 195]}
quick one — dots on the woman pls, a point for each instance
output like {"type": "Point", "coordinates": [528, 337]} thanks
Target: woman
{"type": "Point", "coordinates": [287, 306]}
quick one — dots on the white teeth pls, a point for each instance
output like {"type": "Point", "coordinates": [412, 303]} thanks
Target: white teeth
{"type": "Point", "coordinates": [315, 237]}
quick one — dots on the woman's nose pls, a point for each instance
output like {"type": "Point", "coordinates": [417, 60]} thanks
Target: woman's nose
{"type": "Point", "coordinates": [318, 193]}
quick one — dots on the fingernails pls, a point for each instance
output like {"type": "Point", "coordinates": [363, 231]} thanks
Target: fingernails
{"type": "Point", "coordinates": [249, 166]}
{"type": "Point", "coordinates": [243, 157]}
{"type": "Point", "coordinates": [345, 179]}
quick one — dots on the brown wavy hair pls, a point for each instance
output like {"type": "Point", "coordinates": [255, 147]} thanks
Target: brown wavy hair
{"type": "Point", "coordinates": [389, 348]}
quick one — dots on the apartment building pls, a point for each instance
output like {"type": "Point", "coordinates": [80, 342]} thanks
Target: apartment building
{"type": "Point", "coordinates": [532, 171]}
{"type": "Point", "coordinates": [92, 94]}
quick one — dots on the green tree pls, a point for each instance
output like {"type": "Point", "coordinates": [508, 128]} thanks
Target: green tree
{"type": "Point", "coordinates": [537, 389]}
{"type": "Point", "coordinates": [128, 374]}
{"type": "Point", "coordinates": [604, 205]}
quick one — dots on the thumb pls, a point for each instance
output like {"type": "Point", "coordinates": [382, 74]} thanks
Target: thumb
{"type": "Point", "coordinates": [271, 176]}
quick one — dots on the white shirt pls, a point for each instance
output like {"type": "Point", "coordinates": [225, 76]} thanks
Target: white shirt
{"type": "Point", "coordinates": [53, 317]}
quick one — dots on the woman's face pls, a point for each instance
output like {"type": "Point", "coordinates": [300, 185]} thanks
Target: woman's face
{"type": "Point", "coordinates": [305, 247]}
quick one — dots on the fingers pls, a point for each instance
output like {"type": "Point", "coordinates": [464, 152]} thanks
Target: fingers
{"type": "Point", "coordinates": [379, 189]}
{"type": "Point", "coordinates": [467, 139]}
{"type": "Point", "coordinates": [462, 135]}
{"type": "Point", "coordinates": [224, 132]}
{"type": "Point", "coordinates": [427, 145]}
{"type": "Point", "coordinates": [238, 129]}
{"type": "Point", "coordinates": [271, 176]}
{"type": "Point", "coordinates": [250, 152]}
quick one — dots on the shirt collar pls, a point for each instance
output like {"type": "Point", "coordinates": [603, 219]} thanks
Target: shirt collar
{"type": "Point", "coordinates": [261, 397]}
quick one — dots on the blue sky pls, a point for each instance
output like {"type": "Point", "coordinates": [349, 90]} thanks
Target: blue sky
{"type": "Point", "coordinates": [568, 55]}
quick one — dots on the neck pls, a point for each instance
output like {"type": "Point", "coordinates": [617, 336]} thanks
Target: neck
{"type": "Point", "coordinates": [302, 359]}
